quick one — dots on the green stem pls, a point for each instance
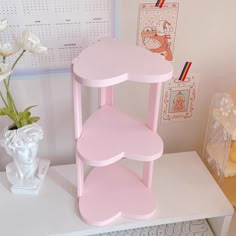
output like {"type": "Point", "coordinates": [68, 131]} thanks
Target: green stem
{"type": "Point", "coordinates": [10, 102]}
{"type": "Point", "coordinates": [18, 58]}
{"type": "Point", "coordinates": [4, 101]}
{"type": "Point", "coordinates": [13, 66]}
{"type": "Point", "coordinates": [1, 95]}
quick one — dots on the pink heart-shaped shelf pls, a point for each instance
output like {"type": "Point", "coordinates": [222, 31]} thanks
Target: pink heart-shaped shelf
{"type": "Point", "coordinates": [109, 135]}
{"type": "Point", "coordinates": [113, 191]}
{"type": "Point", "coordinates": [111, 62]}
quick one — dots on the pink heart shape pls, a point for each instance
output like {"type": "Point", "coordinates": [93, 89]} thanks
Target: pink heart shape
{"type": "Point", "coordinates": [111, 62]}
{"type": "Point", "coordinates": [109, 135]}
{"type": "Point", "coordinates": [113, 191]}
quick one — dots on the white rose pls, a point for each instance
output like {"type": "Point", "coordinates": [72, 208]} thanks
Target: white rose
{"type": "Point", "coordinates": [30, 42]}
{"type": "Point", "coordinates": [5, 71]}
{"type": "Point", "coordinates": [7, 49]}
{"type": "Point", "coordinates": [3, 24]}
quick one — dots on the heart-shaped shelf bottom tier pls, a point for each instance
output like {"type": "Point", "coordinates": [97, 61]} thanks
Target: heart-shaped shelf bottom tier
{"type": "Point", "coordinates": [113, 191]}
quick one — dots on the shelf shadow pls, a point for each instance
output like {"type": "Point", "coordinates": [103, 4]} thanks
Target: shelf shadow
{"type": "Point", "coordinates": [64, 183]}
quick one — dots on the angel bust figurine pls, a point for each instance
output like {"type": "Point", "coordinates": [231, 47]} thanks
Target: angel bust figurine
{"type": "Point", "coordinates": [26, 172]}
{"type": "Point", "coordinates": [21, 138]}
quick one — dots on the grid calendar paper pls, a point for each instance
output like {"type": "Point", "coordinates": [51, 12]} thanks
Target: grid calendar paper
{"type": "Point", "coordinates": [65, 27]}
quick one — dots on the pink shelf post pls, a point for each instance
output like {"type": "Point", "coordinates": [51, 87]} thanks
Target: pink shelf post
{"type": "Point", "coordinates": [78, 129]}
{"type": "Point", "coordinates": [152, 121]}
{"type": "Point", "coordinates": [106, 96]}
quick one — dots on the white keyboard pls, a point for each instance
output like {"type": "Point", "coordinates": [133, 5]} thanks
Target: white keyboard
{"type": "Point", "coordinates": [188, 228]}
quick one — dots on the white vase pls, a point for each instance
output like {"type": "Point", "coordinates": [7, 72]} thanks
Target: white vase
{"type": "Point", "coordinates": [26, 172]}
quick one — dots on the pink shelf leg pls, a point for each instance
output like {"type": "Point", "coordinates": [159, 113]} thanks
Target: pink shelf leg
{"type": "Point", "coordinates": [106, 96]}
{"type": "Point", "coordinates": [152, 120]}
{"type": "Point", "coordinates": [80, 175]}
{"type": "Point", "coordinates": [77, 108]}
{"type": "Point", "coordinates": [78, 130]}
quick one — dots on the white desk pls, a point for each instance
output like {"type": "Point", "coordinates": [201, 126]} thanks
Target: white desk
{"type": "Point", "coordinates": [184, 189]}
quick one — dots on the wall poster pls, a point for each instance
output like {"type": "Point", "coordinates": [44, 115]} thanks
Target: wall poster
{"type": "Point", "coordinates": [179, 98]}
{"type": "Point", "coordinates": [157, 28]}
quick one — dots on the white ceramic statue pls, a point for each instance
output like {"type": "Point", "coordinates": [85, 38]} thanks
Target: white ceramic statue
{"type": "Point", "coordinates": [26, 172]}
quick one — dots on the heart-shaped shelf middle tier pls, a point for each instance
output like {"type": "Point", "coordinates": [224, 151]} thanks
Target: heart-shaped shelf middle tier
{"type": "Point", "coordinates": [109, 135]}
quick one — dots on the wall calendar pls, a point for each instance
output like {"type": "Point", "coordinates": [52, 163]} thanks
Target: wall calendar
{"type": "Point", "coordinates": [65, 27]}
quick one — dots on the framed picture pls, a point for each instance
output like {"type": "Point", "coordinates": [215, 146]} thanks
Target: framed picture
{"type": "Point", "coordinates": [157, 28]}
{"type": "Point", "coordinates": [179, 98]}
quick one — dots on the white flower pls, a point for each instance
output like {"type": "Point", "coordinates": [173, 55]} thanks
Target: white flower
{"type": "Point", "coordinates": [30, 42]}
{"type": "Point", "coordinates": [7, 49]}
{"type": "Point", "coordinates": [5, 71]}
{"type": "Point", "coordinates": [3, 24]}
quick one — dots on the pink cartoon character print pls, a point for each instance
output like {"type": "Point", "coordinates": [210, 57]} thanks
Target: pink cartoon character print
{"type": "Point", "coordinates": [157, 40]}
{"type": "Point", "coordinates": [179, 101]}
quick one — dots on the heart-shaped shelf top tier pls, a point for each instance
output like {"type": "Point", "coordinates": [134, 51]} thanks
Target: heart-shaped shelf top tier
{"type": "Point", "coordinates": [111, 62]}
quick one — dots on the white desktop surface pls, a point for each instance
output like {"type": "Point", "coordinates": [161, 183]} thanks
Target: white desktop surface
{"type": "Point", "coordinates": [184, 188]}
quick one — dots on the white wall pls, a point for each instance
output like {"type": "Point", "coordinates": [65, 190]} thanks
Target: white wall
{"type": "Point", "coordinates": [205, 35]}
